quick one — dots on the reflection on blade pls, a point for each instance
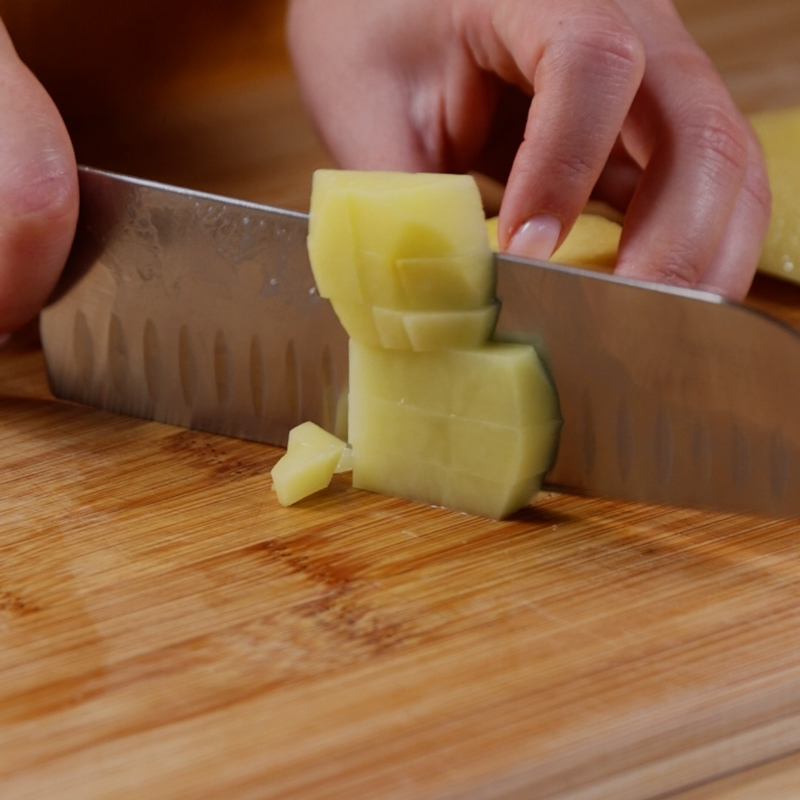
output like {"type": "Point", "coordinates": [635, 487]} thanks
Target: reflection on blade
{"type": "Point", "coordinates": [202, 311]}
{"type": "Point", "coordinates": [193, 310]}
{"type": "Point", "coordinates": [668, 396]}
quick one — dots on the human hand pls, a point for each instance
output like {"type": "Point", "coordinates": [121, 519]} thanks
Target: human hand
{"type": "Point", "coordinates": [38, 191]}
{"type": "Point", "coordinates": [610, 98]}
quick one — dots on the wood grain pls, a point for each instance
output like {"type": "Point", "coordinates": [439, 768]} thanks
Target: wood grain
{"type": "Point", "coordinates": [167, 630]}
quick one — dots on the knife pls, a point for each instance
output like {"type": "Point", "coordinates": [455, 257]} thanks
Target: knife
{"type": "Point", "coordinates": [201, 311]}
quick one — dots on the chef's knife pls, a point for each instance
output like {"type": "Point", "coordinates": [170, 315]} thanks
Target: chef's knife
{"type": "Point", "coordinates": [201, 311]}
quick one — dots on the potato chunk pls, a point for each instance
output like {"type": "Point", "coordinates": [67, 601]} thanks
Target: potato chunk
{"type": "Point", "coordinates": [311, 458]}
{"type": "Point", "coordinates": [474, 429]}
{"type": "Point", "coordinates": [437, 413]}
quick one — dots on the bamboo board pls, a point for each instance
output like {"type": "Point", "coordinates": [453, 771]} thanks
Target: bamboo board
{"type": "Point", "coordinates": [167, 630]}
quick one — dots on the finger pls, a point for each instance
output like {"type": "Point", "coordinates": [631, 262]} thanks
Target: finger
{"type": "Point", "coordinates": [584, 64]}
{"type": "Point", "coordinates": [731, 271]}
{"type": "Point", "coordinates": [619, 179]}
{"type": "Point", "coordinates": [38, 191]}
{"type": "Point", "coordinates": [697, 151]}
{"type": "Point", "coordinates": [380, 106]}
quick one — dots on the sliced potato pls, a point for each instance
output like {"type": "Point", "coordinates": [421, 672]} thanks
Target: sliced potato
{"type": "Point", "coordinates": [488, 417]}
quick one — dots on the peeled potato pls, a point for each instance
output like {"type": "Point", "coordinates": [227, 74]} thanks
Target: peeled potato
{"type": "Point", "coordinates": [398, 240]}
{"type": "Point", "coordinates": [437, 413]}
{"type": "Point", "coordinates": [779, 133]}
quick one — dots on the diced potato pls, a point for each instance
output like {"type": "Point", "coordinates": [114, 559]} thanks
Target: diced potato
{"type": "Point", "coordinates": [391, 330]}
{"type": "Point", "coordinates": [779, 133]}
{"type": "Point", "coordinates": [392, 376]}
{"type": "Point", "coordinates": [433, 330]}
{"type": "Point", "coordinates": [358, 320]}
{"type": "Point", "coordinates": [311, 458]}
{"type": "Point", "coordinates": [437, 413]}
{"type": "Point", "coordinates": [502, 383]}
{"type": "Point", "coordinates": [395, 429]}
{"type": "Point", "coordinates": [378, 280]}
{"type": "Point", "coordinates": [420, 331]}
{"type": "Point", "coordinates": [488, 417]}
{"type": "Point", "coordinates": [422, 482]}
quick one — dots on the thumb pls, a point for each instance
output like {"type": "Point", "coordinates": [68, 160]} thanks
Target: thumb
{"type": "Point", "coordinates": [38, 191]}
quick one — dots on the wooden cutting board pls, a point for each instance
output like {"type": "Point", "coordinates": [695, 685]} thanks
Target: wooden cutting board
{"type": "Point", "coordinates": [167, 630]}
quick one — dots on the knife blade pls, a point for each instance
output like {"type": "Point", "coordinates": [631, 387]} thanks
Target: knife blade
{"type": "Point", "coordinates": [201, 311]}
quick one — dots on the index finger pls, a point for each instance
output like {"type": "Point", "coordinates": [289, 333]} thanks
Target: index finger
{"type": "Point", "coordinates": [702, 206]}
{"type": "Point", "coordinates": [583, 62]}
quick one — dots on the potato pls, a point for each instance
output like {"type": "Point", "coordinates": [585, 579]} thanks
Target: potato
{"type": "Point", "coordinates": [436, 412]}
{"type": "Point", "coordinates": [779, 133]}
{"type": "Point", "coordinates": [311, 458]}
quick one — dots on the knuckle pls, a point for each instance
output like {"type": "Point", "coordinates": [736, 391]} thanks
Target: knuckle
{"type": "Point", "coordinates": [572, 168]}
{"type": "Point", "coordinates": [756, 183]}
{"type": "Point", "coordinates": [613, 48]}
{"type": "Point", "coordinates": [681, 270]}
{"type": "Point", "coordinates": [720, 137]}
{"type": "Point", "coordinates": [49, 195]}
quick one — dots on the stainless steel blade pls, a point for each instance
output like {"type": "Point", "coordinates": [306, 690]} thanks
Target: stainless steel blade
{"type": "Point", "coordinates": [668, 395]}
{"type": "Point", "coordinates": [201, 311]}
{"type": "Point", "coordinates": [193, 310]}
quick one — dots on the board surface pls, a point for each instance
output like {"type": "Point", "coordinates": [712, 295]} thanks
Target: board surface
{"type": "Point", "coordinates": [168, 630]}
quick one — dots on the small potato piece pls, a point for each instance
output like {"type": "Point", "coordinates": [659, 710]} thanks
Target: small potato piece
{"type": "Point", "coordinates": [311, 458]}
{"type": "Point", "coordinates": [420, 331]}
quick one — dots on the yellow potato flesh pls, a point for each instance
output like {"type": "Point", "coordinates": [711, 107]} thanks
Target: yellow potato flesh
{"type": "Point", "coordinates": [312, 456]}
{"type": "Point", "coordinates": [779, 134]}
{"type": "Point", "coordinates": [437, 413]}
{"type": "Point", "coordinates": [398, 240]}
{"type": "Point", "coordinates": [426, 425]}
{"type": "Point", "coordinates": [416, 330]}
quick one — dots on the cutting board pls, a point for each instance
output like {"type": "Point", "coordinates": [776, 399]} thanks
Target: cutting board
{"type": "Point", "coordinates": [168, 630]}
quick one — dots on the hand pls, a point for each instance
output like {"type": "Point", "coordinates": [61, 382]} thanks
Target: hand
{"type": "Point", "coordinates": [560, 100]}
{"type": "Point", "coordinates": [38, 191]}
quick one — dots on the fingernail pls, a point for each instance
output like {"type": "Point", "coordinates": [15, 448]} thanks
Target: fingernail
{"type": "Point", "coordinates": [536, 238]}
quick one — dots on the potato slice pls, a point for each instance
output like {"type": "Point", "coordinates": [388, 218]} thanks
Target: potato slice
{"type": "Point", "coordinates": [420, 331]}
{"type": "Point", "coordinates": [312, 457]}
{"type": "Point", "coordinates": [434, 330]}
